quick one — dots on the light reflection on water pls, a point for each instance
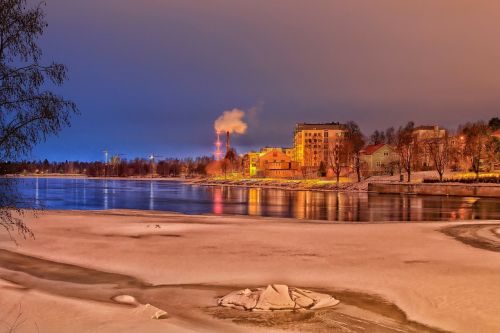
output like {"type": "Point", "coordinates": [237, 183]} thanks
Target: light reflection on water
{"type": "Point", "coordinates": [91, 194]}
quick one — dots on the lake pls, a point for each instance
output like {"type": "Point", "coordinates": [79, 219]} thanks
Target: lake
{"type": "Point", "coordinates": [101, 194]}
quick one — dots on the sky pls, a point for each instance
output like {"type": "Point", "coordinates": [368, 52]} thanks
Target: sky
{"type": "Point", "coordinates": [151, 76]}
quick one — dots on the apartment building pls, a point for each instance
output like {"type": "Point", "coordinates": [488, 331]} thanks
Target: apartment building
{"type": "Point", "coordinates": [312, 142]}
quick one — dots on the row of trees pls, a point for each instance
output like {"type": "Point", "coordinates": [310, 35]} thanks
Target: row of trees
{"type": "Point", "coordinates": [115, 168]}
{"type": "Point", "coordinates": [471, 148]}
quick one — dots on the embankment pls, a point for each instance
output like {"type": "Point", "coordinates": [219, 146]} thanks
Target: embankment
{"type": "Point", "coordinates": [454, 189]}
{"type": "Point", "coordinates": [286, 184]}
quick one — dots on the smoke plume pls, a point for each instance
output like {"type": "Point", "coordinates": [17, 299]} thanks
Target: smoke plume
{"type": "Point", "coordinates": [231, 121]}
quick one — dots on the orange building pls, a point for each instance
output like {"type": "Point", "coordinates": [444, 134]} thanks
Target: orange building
{"type": "Point", "coordinates": [276, 164]}
{"type": "Point", "coordinates": [313, 141]}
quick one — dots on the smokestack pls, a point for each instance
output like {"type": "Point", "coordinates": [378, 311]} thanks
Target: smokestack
{"type": "Point", "coordinates": [230, 121]}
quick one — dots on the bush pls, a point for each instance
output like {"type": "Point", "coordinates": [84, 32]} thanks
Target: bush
{"type": "Point", "coordinates": [467, 179]}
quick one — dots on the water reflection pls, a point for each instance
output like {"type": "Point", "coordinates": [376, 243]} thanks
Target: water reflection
{"type": "Point", "coordinates": [106, 192]}
{"type": "Point", "coordinates": [254, 201]}
{"type": "Point", "coordinates": [218, 201]}
{"type": "Point", "coordinates": [151, 196]}
{"type": "Point", "coordinates": [37, 193]}
{"type": "Point", "coordinates": [178, 197]}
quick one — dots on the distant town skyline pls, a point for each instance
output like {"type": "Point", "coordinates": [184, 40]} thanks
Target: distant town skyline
{"type": "Point", "coordinates": [153, 76]}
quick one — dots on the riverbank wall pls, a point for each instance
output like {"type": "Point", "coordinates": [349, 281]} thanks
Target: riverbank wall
{"type": "Point", "coordinates": [467, 190]}
{"type": "Point", "coordinates": [286, 184]}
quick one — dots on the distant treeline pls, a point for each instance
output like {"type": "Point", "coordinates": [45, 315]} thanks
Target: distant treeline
{"type": "Point", "coordinates": [116, 167]}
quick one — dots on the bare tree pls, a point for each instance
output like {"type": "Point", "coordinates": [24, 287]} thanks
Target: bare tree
{"type": "Point", "coordinates": [338, 151]}
{"type": "Point", "coordinates": [355, 142]}
{"type": "Point", "coordinates": [390, 136]}
{"type": "Point", "coordinates": [334, 157]}
{"type": "Point", "coordinates": [439, 149]}
{"type": "Point", "coordinates": [28, 112]}
{"type": "Point", "coordinates": [477, 141]}
{"type": "Point", "coordinates": [377, 137]}
{"type": "Point", "coordinates": [405, 147]}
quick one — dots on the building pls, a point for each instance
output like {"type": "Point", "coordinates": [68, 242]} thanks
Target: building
{"type": "Point", "coordinates": [429, 132]}
{"type": "Point", "coordinates": [270, 163]}
{"type": "Point", "coordinates": [265, 150]}
{"type": "Point", "coordinates": [421, 134]}
{"type": "Point", "coordinates": [250, 161]}
{"type": "Point", "coordinates": [312, 142]}
{"type": "Point", "coordinates": [290, 152]}
{"type": "Point", "coordinates": [276, 164]}
{"type": "Point", "coordinates": [379, 159]}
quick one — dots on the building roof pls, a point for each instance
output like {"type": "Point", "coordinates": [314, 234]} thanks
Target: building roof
{"type": "Point", "coordinates": [428, 128]}
{"type": "Point", "coordinates": [274, 154]}
{"type": "Point", "coordinates": [319, 126]}
{"type": "Point", "coordinates": [370, 149]}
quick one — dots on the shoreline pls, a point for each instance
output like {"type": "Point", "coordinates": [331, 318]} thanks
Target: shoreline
{"type": "Point", "coordinates": [387, 276]}
{"type": "Point", "coordinates": [283, 184]}
{"type": "Point", "coordinates": [77, 176]}
{"type": "Point", "coordinates": [343, 187]}
{"type": "Point", "coordinates": [374, 184]}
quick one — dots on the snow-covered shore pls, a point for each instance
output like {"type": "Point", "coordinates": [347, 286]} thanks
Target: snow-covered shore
{"type": "Point", "coordinates": [66, 278]}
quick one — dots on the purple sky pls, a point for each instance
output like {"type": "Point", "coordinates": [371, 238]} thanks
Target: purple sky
{"type": "Point", "coordinates": [151, 76]}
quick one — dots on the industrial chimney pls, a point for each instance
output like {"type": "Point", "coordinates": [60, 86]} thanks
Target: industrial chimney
{"type": "Point", "coordinates": [228, 142]}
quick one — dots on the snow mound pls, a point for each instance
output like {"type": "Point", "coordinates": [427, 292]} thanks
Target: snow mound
{"type": "Point", "coordinates": [151, 311]}
{"type": "Point", "coordinates": [126, 299]}
{"type": "Point", "coordinates": [277, 297]}
{"type": "Point", "coordinates": [147, 310]}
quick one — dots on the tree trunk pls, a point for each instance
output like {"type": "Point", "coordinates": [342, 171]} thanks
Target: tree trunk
{"type": "Point", "coordinates": [358, 169]}
{"type": "Point", "coordinates": [408, 172]}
